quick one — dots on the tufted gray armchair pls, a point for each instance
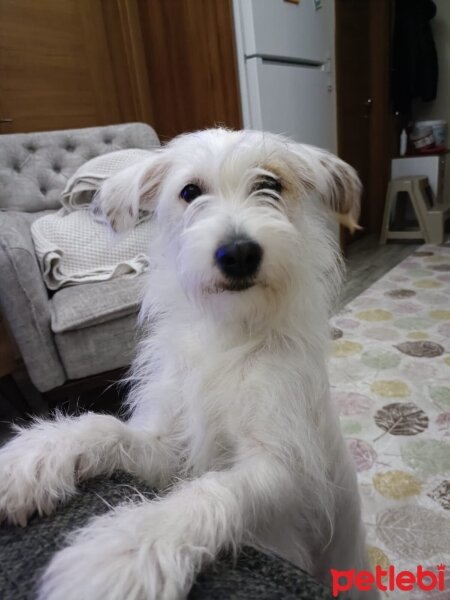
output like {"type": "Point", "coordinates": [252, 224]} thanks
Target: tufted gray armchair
{"type": "Point", "coordinates": [82, 330]}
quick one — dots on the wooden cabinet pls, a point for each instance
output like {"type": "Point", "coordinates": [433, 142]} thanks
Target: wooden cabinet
{"type": "Point", "coordinates": [7, 353]}
{"type": "Point", "coordinates": [56, 67]}
{"type": "Point", "coordinates": [80, 63]}
{"type": "Point", "coordinates": [192, 67]}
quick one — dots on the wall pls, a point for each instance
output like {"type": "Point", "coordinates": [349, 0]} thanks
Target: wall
{"type": "Point", "coordinates": [440, 108]}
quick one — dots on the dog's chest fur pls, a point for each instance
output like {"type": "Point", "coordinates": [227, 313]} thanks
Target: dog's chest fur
{"type": "Point", "coordinates": [218, 401]}
{"type": "Point", "coordinates": [231, 394]}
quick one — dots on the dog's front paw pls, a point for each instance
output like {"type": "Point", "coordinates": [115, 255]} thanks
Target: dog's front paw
{"type": "Point", "coordinates": [34, 475]}
{"type": "Point", "coordinates": [125, 555]}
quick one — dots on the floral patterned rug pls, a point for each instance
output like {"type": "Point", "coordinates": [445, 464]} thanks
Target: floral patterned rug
{"type": "Point", "coordinates": [390, 378]}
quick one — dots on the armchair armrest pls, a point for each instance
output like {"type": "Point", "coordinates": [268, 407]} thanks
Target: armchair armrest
{"type": "Point", "coordinates": [24, 302]}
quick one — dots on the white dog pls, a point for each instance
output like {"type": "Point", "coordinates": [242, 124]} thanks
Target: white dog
{"type": "Point", "coordinates": [230, 411]}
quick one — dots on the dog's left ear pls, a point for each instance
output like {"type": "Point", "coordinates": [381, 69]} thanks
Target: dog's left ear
{"type": "Point", "coordinates": [336, 182]}
{"type": "Point", "coordinates": [130, 193]}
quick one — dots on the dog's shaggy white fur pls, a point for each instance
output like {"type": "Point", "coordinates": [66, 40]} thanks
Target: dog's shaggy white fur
{"type": "Point", "coordinates": [230, 413]}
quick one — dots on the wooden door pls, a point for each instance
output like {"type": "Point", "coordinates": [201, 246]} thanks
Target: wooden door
{"type": "Point", "coordinates": [69, 63]}
{"type": "Point", "coordinates": [353, 90]}
{"type": "Point", "coordinates": [192, 67]}
{"type": "Point", "coordinates": [363, 113]}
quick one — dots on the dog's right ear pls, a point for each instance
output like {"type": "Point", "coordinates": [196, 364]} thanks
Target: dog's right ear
{"type": "Point", "coordinates": [129, 194]}
{"type": "Point", "coordinates": [335, 181]}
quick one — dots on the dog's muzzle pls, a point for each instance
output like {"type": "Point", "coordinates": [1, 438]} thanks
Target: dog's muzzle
{"type": "Point", "coordinates": [239, 261]}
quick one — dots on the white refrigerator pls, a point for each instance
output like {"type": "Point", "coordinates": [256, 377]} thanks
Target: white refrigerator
{"type": "Point", "coordinates": [286, 59]}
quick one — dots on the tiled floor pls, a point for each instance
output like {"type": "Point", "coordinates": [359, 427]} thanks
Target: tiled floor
{"type": "Point", "coordinates": [389, 378]}
{"type": "Point", "coordinates": [367, 261]}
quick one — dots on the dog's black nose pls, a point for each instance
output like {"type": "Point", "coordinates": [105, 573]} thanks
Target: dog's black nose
{"type": "Point", "coordinates": [239, 258]}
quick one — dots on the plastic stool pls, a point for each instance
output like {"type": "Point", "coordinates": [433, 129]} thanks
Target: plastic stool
{"type": "Point", "coordinates": [430, 220]}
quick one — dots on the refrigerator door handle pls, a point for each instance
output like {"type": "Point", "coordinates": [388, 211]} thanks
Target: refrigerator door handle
{"type": "Point", "coordinates": [284, 60]}
{"type": "Point", "coordinates": [327, 67]}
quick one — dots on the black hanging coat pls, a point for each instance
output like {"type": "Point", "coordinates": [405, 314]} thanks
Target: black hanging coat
{"type": "Point", "coordinates": [414, 57]}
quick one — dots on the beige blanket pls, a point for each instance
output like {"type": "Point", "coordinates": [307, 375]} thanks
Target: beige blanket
{"type": "Point", "coordinates": [72, 247]}
{"type": "Point", "coordinates": [83, 184]}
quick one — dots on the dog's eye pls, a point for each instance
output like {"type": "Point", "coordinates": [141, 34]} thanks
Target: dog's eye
{"type": "Point", "coordinates": [268, 184]}
{"type": "Point", "coordinates": [190, 192]}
